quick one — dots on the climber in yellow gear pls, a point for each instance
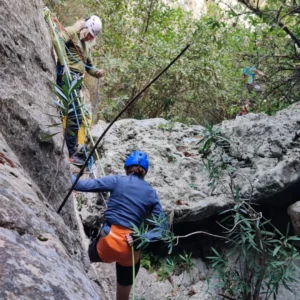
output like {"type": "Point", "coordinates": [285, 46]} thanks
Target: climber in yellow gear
{"type": "Point", "coordinates": [75, 52]}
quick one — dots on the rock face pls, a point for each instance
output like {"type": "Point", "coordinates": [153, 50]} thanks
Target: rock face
{"type": "Point", "coordinates": [26, 97]}
{"type": "Point", "coordinates": [294, 213]}
{"type": "Point", "coordinates": [41, 254]}
{"type": "Point", "coordinates": [189, 285]}
{"type": "Point", "coordinates": [175, 170]}
{"type": "Point", "coordinates": [41, 268]}
{"type": "Point", "coordinates": [264, 155]}
{"type": "Point", "coordinates": [266, 151]}
{"type": "Point", "coordinates": [41, 258]}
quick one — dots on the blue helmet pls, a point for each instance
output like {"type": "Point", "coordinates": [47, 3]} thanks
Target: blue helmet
{"type": "Point", "coordinates": [137, 158]}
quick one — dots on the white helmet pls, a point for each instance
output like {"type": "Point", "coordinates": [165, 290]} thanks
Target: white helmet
{"type": "Point", "coordinates": [94, 25]}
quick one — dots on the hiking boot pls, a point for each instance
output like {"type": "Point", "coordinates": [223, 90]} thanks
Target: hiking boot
{"type": "Point", "coordinates": [75, 160]}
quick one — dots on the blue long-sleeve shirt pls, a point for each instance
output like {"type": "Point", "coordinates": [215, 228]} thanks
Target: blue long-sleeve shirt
{"type": "Point", "coordinates": [131, 200]}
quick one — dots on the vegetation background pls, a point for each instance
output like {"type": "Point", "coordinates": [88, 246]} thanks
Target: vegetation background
{"type": "Point", "coordinates": [140, 37]}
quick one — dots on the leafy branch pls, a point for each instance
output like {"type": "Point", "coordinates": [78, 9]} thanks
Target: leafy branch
{"type": "Point", "coordinates": [260, 14]}
{"type": "Point", "coordinates": [66, 98]}
{"type": "Point", "coordinates": [212, 136]}
{"type": "Point", "coordinates": [265, 257]}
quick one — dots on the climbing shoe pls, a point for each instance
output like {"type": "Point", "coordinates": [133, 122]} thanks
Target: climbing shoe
{"type": "Point", "coordinates": [75, 160]}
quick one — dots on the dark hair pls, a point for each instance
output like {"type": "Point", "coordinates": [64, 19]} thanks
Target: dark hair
{"type": "Point", "coordinates": [137, 170]}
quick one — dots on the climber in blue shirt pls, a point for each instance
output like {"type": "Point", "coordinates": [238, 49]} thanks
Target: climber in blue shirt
{"type": "Point", "coordinates": [253, 88]}
{"type": "Point", "coordinates": [131, 200]}
{"type": "Point", "coordinates": [249, 75]}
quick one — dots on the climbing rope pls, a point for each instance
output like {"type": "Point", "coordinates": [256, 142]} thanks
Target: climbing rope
{"type": "Point", "coordinates": [132, 101]}
{"type": "Point", "coordinates": [72, 76]}
{"type": "Point", "coordinates": [133, 273]}
{"type": "Point", "coordinates": [96, 99]}
{"type": "Point", "coordinates": [89, 159]}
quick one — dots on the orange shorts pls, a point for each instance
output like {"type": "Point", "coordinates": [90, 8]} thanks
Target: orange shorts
{"type": "Point", "coordinates": [114, 247]}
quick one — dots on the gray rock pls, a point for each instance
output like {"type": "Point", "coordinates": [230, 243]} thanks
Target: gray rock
{"type": "Point", "coordinates": [269, 148]}
{"type": "Point", "coordinates": [188, 285]}
{"type": "Point", "coordinates": [176, 170]}
{"type": "Point", "coordinates": [41, 253]}
{"type": "Point", "coordinates": [294, 213]}
{"type": "Point", "coordinates": [40, 269]}
{"type": "Point", "coordinates": [26, 97]}
{"type": "Point", "coordinates": [263, 150]}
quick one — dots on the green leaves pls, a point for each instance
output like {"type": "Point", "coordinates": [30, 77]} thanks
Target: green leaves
{"type": "Point", "coordinates": [67, 93]}
{"type": "Point", "coordinates": [158, 228]}
{"type": "Point", "coordinates": [74, 85]}
{"type": "Point", "coordinates": [276, 250]}
{"type": "Point", "coordinates": [264, 257]}
{"type": "Point", "coordinates": [212, 136]}
{"type": "Point", "coordinates": [66, 96]}
{"type": "Point", "coordinates": [139, 37]}
{"type": "Point", "coordinates": [139, 234]}
{"type": "Point", "coordinates": [215, 166]}
{"type": "Point", "coordinates": [46, 137]}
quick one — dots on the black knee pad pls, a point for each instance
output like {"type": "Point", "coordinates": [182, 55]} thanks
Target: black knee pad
{"type": "Point", "coordinates": [93, 254]}
{"type": "Point", "coordinates": [124, 274]}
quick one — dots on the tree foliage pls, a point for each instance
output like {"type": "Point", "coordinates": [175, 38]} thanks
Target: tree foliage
{"type": "Point", "coordinates": [140, 37]}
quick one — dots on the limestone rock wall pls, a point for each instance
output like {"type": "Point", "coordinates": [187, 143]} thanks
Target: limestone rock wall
{"type": "Point", "coordinates": [264, 153]}
{"type": "Point", "coordinates": [25, 95]}
{"type": "Point", "coordinates": [41, 254]}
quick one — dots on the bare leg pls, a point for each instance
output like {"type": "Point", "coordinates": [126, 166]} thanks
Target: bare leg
{"type": "Point", "coordinates": [123, 292]}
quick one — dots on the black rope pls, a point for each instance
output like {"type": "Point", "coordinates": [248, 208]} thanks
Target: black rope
{"type": "Point", "coordinates": [114, 120]}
